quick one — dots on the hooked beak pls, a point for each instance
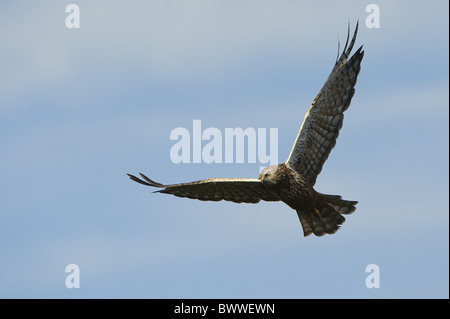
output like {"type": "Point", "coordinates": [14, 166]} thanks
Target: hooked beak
{"type": "Point", "coordinates": [267, 181]}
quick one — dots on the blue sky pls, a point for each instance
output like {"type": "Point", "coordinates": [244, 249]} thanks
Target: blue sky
{"type": "Point", "coordinates": [80, 108]}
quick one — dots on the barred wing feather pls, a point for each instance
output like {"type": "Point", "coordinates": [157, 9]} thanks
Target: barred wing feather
{"type": "Point", "coordinates": [324, 118]}
{"type": "Point", "coordinates": [238, 190]}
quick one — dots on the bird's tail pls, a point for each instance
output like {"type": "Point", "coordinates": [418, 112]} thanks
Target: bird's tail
{"type": "Point", "coordinates": [326, 216]}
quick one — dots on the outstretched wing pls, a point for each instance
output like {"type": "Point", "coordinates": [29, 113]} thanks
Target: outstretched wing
{"type": "Point", "coordinates": [238, 190]}
{"type": "Point", "coordinates": [323, 120]}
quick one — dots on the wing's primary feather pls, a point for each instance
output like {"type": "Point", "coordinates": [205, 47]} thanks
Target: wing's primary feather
{"type": "Point", "coordinates": [324, 118]}
{"type": "Point", "coordinates": [238, 190]}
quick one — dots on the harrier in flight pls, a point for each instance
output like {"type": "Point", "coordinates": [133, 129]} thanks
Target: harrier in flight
{"type": "Point", "coordinates": [292, 181]}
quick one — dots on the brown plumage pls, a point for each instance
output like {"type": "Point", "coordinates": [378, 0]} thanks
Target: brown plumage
{"type": "Point", "coordinates": [292, 182]}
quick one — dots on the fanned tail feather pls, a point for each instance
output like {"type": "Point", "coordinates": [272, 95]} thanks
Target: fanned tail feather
{"type": "Point", "coordinates": [327, 217]}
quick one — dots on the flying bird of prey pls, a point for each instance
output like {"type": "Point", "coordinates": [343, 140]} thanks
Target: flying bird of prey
{"type": "Point", "coordinates": [292, 181]}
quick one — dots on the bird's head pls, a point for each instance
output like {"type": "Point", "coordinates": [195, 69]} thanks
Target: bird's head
{"type": "Point", "coordinates": [268, 175]}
